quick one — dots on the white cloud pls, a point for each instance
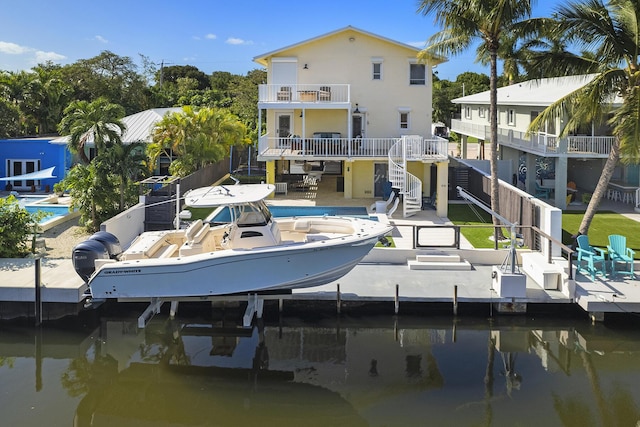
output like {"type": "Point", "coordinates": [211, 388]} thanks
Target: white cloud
{"type": "Point", "coordinates": [237, 41]}
{"type": "Point", "coordinates": [13, 49]}
{"type": "Point", "coordinates": [421, 44]}
{"type": "Point", "coordinates": [101, 39]}
{"type": "Point", "coordinates": [48, 56]}
{"type": "Point", "coordinates": [211, 36]}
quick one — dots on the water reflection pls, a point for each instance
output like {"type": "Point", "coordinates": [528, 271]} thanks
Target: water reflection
{"type": "Point", "coordinates": [369, 371]}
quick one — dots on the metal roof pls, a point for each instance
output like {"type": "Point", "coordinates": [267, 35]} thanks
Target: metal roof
{"type": "Point", "coordinates": [541, 92]}
{"type": "Point", "coordinates": [139, 126]}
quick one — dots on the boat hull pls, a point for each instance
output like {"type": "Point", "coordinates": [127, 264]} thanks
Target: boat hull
{"type": "Point", "coordinates": [297, 265]}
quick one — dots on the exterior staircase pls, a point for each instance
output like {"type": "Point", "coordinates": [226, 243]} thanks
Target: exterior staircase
{"type": "Point", "coordinates": [409, 186]}
{"type": "Point", "coordinates": [438, 260]}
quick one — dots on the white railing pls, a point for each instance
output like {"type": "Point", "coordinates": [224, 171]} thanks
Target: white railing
{"type": "Point", "coordinates": [590, 144]}
{"type": "Point", "coordinates": [538, 142]}
{"type": "Point", "coordinates": [304, 93]}
{"type": "Point", "coordinates": [325, 147]}
{"type": "Point", "coordinates": [349, 147]}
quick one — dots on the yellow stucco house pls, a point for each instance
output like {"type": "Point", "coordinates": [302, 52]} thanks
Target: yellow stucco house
{"type": "Point", "coordinates": [356, 105]}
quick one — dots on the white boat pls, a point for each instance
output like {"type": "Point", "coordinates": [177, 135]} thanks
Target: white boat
{"type": "Point", "coordinates": [254, 252]}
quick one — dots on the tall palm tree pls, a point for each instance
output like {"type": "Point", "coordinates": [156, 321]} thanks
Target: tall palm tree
{"type": "Point", "coordinates": [607, 35]}
{"type": "Point", "coordinates": [465, 22]}
{"type": "Point", "coordinates": [99, 120]}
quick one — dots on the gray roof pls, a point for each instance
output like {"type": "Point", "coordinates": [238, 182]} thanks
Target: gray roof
{"type": "Point", "coordinates": [542, 92]}
{"type": "Point", "coordinates": [139, 126]}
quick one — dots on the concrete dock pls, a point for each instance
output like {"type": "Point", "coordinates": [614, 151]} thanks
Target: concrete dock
{"type": "Point", "coordinates": [387, 278]}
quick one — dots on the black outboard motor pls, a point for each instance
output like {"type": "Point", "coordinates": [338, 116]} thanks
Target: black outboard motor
{"type": "Point", "coordinates": [109, 241]}
{"type": "Point", "coordinates": [84, 256]}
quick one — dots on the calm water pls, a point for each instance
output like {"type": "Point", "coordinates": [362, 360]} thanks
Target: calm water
{"type": "Point", "coordinates": [375, 371]}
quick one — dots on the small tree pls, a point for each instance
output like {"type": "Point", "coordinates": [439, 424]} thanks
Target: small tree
{"type": "Point", "coordinates": [16, 224]}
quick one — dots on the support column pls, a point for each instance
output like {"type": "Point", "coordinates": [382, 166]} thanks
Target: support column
{"type": "Point", "coordinates": [463, 146]}
{"type": "Point", "coordinates": [561, 182]}
{"type": "Point", "coordinates": [530, 181]}
{"type": "Point", "coordinates": [442, 185]}
{"type": "Point", "coordinates": [347, 171]}
{"type": "Point", "coordinates": [271, 174]}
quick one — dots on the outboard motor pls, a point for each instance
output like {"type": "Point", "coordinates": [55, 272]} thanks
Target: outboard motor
{"type": "Point", "coordinates": [109, 241]}
{"type": "Point", "coordinates": [84, 256]}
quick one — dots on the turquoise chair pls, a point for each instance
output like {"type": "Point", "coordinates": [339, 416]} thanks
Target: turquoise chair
{"type": "Point", "coordinates": [591, 256]}
{"type": "Point", "coordinates": [619, 252]}
{"type": "Point", "coordinates": [542, 191]}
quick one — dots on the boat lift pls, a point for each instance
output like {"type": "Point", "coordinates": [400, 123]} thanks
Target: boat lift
{"type": "Point", "coordinates": [510, 262]}
{"type": "Point", "coordinates": [255, 305]}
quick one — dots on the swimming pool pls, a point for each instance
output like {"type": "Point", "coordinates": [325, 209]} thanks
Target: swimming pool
{"type": "Point", "coordinates": [55, 213]}
{"type": "Point", "coordinates": [223, 215]}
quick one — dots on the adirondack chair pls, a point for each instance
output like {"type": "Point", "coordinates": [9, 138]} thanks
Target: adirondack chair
{"type": "Point", "coordinates": [591, 256]}
{"type": "Point", "coordinates": [387, 202]}
{"type": "Point", "coordinates": [619, 252]}
{"type": "Point", "coordinates": [542, 191]}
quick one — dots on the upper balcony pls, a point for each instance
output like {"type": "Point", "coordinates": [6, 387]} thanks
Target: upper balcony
{"type": "Point", "coordinates": [577, 146]}
{"type": "Point", "coordinates": [322, 95]}
{"type": "Point", "coordinates": [296, 148]}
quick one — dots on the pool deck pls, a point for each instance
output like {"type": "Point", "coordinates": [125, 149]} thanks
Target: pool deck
{"type": "Point", "coordinates": [370, 281]}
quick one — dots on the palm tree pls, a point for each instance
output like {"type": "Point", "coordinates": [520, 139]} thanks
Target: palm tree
{"type": "Point", "coordinates": [469, 21]}
{"type": "Point", "coordinates": [126, 161]}
{"type": "Point", "coordinates": [197, 138]}
{"type": "Point", "coordinates": [608, 36]}
{"type": "Point", "coordinates": [99, 120]}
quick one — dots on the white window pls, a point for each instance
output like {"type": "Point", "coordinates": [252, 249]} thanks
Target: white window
{"type": "Point", "coordinates": [482, 112]}
{"type": "Point", "coordinates": [376, 68]}
{"type": "Point", "coordinates": [467, 112]}
{"type": "Point", "coordinates": [417, 74]}
{"type": "Point", "coordinates": [404, 120]}
{"type": "Point", "coordinates": [511, 117]}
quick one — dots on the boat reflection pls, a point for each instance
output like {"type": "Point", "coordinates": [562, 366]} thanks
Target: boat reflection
{"type": "Point", "coordinates": [366, 371]}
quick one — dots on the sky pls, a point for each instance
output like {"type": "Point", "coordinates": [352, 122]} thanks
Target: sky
{"type": "Point", "coordinates": [212, 35]}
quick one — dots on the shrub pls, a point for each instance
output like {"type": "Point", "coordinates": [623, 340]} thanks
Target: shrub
{"type": "Point", "coordinates": [16, 225]}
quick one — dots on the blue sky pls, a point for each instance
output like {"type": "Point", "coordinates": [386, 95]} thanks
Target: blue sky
{"type": "Point", "coordinates": [212, 35]}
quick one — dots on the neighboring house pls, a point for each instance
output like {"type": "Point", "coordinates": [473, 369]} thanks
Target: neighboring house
{"type": "Point", "coordinates": [21, 156]}
{"type": "Point", "coordinates": [139, 128]}
{"type": "Point", "coordinates": [341, 103]}
{"type": "Point", "coordinates": [542, 159]}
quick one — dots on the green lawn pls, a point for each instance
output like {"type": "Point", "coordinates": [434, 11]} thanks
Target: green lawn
{"type": "Point", "coordinates": [477, 236]}
{"type": "Point", "coordinates": [604, 224]}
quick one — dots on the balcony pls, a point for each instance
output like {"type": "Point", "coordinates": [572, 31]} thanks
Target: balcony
{"type": "Point", "coordinates": [275, 148]}
{"type": "Point", "coordinates": [579, 146]}
{"type": "Point", "coordinates": [304, 95]}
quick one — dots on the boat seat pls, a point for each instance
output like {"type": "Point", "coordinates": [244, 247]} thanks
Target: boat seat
{"type": "Point", "coordinates": [193, 229]}
{"type": "Point", "coordinates": [166, 251]}
{"type": "Point", "coordinates": [301, 225]}
{"type": "Point", "coordinates": [197, 238]}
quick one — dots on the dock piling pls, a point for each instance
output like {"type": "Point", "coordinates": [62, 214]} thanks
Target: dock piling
{"type": "Point", "coordinates": [397, 299]}
{"type": "Point", "coordinates": [455, 300]}
{"type": "Point", "coordinates": [338, 298]}
{"type": "Point", "coordinates": [38, 298]}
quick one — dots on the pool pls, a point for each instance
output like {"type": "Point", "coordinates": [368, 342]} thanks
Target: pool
{"type": "Point", "coordinates": [223, 216]}
{"type": "Point", "coordinates": [55, 213]}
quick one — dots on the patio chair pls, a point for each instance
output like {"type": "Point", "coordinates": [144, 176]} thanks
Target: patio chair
{"type": "Point", "coordinates": [387, 203]}
{"type": "Point", "coordinates": [619, 252]}
{"type": "Point", "coordinates": [592, 256]}
{"type": "Point", "coordinates": [542, 191]}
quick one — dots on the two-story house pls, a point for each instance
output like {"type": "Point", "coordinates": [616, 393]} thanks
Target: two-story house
{"type": "Point", "coordinates": [545, 162]}
{"type": "Point", "coordinates": [360, 105]}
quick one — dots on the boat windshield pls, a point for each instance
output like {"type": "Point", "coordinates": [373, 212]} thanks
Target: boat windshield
{"type": "Point", "coordinates": [251, 214]}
